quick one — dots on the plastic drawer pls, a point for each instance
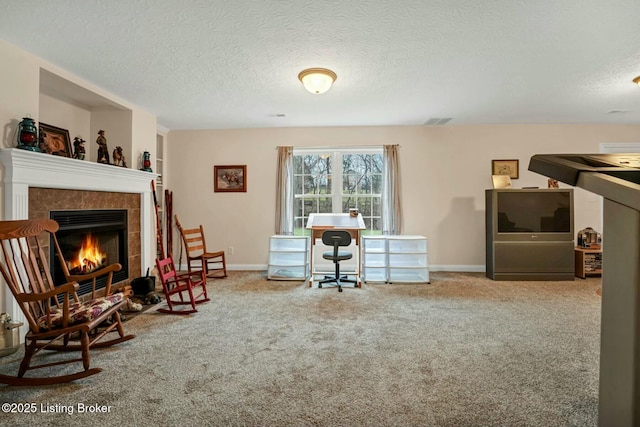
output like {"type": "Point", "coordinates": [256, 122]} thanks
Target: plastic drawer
{"type": "Point", "coordinates": [374, 259]}
{"type": "Point", "coordinates": [399, 245]}
{"type": "Point", "coordinates": [408, 275]}
{"type": "Point", "coordinates": [287, 258]}
{"type": "Point", "coordinates": [374, 244]}
{"type": "Point", "coordinates": [289, 243]}
{"type": "Point", "coordinates": [277, 272]}
{"type": "Point", "coordinates": [407, 260]}
{"type": "Point", "coordinates": [372, 274]}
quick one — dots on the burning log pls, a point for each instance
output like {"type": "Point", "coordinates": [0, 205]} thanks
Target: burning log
{"type": "Point", "coordinates": [89, 258]}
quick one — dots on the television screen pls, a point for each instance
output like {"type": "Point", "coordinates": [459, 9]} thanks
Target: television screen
{"type": "Point", "coordinates": [534, 212]}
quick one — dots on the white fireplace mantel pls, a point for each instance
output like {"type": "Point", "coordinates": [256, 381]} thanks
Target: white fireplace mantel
{"type": "Point", "coordinates": [24, 169]}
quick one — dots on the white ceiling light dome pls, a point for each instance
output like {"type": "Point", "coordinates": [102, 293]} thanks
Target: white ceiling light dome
{"type": "Point", "coordinates": [317, 80]}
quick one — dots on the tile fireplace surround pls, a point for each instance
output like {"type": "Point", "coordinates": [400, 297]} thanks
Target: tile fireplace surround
{"type": "Point", "coordinates": [34, 178]}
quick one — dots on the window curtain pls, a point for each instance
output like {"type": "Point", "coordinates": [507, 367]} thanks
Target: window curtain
{"type": "Point", "coordinates": [284, 192]}
{"type": "Point", "coordinates": [391, 209]}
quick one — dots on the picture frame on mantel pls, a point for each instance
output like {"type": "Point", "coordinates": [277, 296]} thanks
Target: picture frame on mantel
{"type": "Point", "coordinates": [55, 140]}
{"type": "Point", "coordinates": [505, 167]}
{"type": "Point", "coordinates": [230, 179]}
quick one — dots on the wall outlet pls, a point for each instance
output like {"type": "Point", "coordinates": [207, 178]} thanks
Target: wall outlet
{"type": "Point", "coordinates": [231, 250]}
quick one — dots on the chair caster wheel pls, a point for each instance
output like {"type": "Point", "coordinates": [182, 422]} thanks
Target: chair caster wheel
{"type": "Point", "coordinates": [339, 289]}
{"type": "Point", "coordinates": [319, 285]}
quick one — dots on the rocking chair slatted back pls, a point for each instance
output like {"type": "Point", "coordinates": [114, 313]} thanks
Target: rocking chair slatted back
{"type": "Point", "coordinates": [26, 271]}
{"type": "Point", "coordinates": [198, 258]}
{"type": "Point", "coordinates": [194, 241]}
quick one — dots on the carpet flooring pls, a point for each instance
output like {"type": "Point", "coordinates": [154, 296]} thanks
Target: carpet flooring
{"type": "Point", "coordinates": [461, 351]}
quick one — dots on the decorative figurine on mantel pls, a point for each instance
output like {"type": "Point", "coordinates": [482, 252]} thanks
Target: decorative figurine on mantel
{"type": "Point", "coordinates": [78, 148]}
{"type": "Point", "coordinates": [118, 158]}
{"type": "Point", "coordinates": [103, 150]}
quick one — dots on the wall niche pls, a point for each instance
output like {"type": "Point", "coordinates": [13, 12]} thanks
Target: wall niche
{"type": "Point", "coordinates": [83, 113]}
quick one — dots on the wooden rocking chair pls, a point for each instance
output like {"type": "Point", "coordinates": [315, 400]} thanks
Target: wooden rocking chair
{"type": "Point", "coordinates": [181, 285]}
{"type": "Point", "coordinates": [198, 258]}
{"type": "Point", "coordinates": [57, 319]}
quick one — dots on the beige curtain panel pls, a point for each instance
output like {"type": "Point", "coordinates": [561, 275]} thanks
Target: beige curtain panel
{"type": "Point", "coordinates": [391, 208]}
{"type": "Point", "coordinates": [284, 192]}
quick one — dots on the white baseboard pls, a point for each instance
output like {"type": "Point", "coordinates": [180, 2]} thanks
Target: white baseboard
{"type": "Point", "coordinates": [459, 268]}
{"type": "Point", "coordinates": [453, 268]}
{"type": "Point", "coordinates": [247, 267]}
{"type": "Point", "coordinates": [236, 267]}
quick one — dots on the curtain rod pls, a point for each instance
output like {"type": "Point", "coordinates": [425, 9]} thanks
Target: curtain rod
{"type": "Point", "coordinates": [339, 147]}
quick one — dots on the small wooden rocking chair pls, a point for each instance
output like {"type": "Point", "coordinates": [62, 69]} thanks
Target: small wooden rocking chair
{"type": "Point", "coordinates": [198, 258]}
{"type": "Point", "coordinates": [181, 284]}
{"type": "Point", "coordinates": [57, 318]}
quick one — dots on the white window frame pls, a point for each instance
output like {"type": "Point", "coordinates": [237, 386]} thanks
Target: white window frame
{"type": "Point", "coordinates": [337, 172]}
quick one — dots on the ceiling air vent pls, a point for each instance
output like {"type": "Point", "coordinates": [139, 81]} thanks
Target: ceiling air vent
{"type": "Point", "coordinates": [437, 121]}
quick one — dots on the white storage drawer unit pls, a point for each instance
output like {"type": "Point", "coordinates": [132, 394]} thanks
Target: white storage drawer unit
{"type": "Point", "coordinates": [374, 259]}
{"type": "Point", "coordinates": [395, 259]}
{"type": "Point", "coordinates": [288, 258]}
{"type": "Point", "coordinates": [408, 261]}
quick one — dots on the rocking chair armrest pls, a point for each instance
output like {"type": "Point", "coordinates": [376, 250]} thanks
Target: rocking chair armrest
{"type": "Point", "coordinates": [67, 288]}
{"type": "Point", "coordinates": [94, 275]}
{"type": "Point", "coordinates": [188, 275]}
{"type": "Point", "coordinates": [111, 268]}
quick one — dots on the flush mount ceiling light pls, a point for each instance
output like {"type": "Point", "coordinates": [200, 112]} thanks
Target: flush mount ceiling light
{"type": "Point", "coordinates": [637, 80]}
{"type": "Point", "coordinates": [317, 80]}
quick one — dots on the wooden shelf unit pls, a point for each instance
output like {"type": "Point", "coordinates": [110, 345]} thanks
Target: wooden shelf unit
{"type": "Point", "coordinates": [588, 262]}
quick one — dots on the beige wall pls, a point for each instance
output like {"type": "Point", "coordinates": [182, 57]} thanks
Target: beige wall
{"type": "Point", "coordinates": [64, 115]}
{"type": "Point", "coordinates": [19, 74]}
{"type": "Point", "coordinates": [444, 172]}
{"type": "Point", "coordinates": [133, 128]}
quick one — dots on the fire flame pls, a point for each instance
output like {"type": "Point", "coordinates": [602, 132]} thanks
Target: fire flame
{"type": "Point", "coordinates": [89, 257]}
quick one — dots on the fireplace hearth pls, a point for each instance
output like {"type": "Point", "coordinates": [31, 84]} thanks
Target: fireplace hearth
{"type": "Point", "coordinates": [89, 240]}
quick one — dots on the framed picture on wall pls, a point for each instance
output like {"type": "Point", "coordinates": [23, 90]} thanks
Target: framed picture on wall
{"type": "Point", "coordinates": [230, 178]}
{"type": "Point", "coordinates": [505, 167]}
{"type": "Point", "coordinates": [55, 140]}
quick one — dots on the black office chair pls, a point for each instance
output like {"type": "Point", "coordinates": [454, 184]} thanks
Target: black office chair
{"type": "Point", "coordinates": [336, 238]}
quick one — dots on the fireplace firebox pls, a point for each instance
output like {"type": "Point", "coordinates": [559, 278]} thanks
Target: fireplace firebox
{"type": "Point", "coordinates": [90, 240]}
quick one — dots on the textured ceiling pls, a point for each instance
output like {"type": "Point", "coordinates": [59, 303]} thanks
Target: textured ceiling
{"type": "Point", "coordinates": [234, 64]}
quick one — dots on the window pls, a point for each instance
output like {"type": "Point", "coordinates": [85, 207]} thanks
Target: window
{"type": "Point", "coordinates": [335, 180]}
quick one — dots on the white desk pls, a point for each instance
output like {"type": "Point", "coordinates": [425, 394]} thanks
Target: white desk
{"type": "Point", "coordinates": [319, 222]}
